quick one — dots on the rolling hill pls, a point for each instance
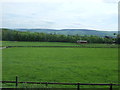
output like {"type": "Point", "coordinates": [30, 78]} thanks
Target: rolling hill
{"type": "Point", "coordinates": [72, 31]}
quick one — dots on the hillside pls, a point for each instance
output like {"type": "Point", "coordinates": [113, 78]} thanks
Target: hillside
{"type": "Point", "coordinates": [73, 31]}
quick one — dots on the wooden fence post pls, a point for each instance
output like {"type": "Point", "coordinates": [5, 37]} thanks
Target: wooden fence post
{"type": "Point", "coordinates": [46, 84]}
{"type": "Point", "coordinates": [111, 87]}
{"type": "Point", "coordinates": [16, 81]}
{"type": "Point", "coordinates": [78, 86]}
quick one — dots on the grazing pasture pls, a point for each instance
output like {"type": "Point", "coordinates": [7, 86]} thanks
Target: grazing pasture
{"type": "Point", "coordinates": [17, 43]}
{"type": "Point", "coordinates": [84, 65]}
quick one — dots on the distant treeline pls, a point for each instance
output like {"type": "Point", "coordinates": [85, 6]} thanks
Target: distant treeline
{"type": "Point", "coordinates": [13, 35]}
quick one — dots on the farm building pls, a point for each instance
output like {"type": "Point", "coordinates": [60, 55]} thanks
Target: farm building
{"type": "Point", "coordinates": [81, 41]}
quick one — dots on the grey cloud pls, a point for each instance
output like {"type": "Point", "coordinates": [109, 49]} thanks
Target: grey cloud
{"type": "Point", "coordinates": [66, 15]}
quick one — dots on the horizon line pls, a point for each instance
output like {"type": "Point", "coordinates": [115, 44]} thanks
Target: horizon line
{"type": "Point", "coordinates": [61, 29]}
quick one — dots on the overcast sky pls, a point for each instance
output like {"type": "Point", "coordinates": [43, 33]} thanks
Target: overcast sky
{"type": "Point", "coordinates": [61, 14]}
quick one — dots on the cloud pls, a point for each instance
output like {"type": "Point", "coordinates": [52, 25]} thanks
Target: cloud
{"type": "Point", "coordinates": [93, 14]}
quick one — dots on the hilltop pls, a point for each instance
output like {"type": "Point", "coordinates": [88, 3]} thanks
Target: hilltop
{"type": "Point", "coordinates": [73, 31]}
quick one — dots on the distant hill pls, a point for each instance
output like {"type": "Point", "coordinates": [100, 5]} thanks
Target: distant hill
{"type": "Point", "coordinates": [73, 31]}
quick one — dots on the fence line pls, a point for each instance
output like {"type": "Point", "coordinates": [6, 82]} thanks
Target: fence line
{"type": "Point", "coordinates": [46, 83]}
{"type": "Point", "coordinates": [107, 84]}
{"type": "Point", "coordinates": [65, 46]}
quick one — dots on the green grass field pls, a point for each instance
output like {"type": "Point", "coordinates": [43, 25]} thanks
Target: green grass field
{"type": "Point", "coordinates": [14, 43]}
{"type": "Point", "coordinates": [73, 65]}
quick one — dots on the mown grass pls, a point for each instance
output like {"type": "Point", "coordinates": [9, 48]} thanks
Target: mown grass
{"type": "Point", "coordinates": [16, 43]}
{"type": "Point", "coordinates": [73, 65]}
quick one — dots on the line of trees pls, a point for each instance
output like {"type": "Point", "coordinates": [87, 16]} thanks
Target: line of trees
{"type": "Point", "coordinates": [12, 35]}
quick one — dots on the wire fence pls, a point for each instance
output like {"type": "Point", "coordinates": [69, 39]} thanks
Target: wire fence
{"type": "Point", "coordinates": [78, 85]}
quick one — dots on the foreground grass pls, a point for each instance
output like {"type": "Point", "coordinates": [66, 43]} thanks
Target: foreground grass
{"type": "Point", "coordinates": [84, 65]}
{"type": "Point", "coordinates": [15, 43]}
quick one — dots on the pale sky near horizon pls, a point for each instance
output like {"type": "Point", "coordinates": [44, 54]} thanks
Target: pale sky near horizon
{"type": "Point", "coordinates": [61, 14]}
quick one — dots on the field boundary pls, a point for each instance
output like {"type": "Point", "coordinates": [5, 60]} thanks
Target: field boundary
{"type": "Point", "coordinates": [56, 83]}
{"type": "Point", "coordinates": [77, 84]}
{"type": "Point", "coordinates": [63, 46]}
